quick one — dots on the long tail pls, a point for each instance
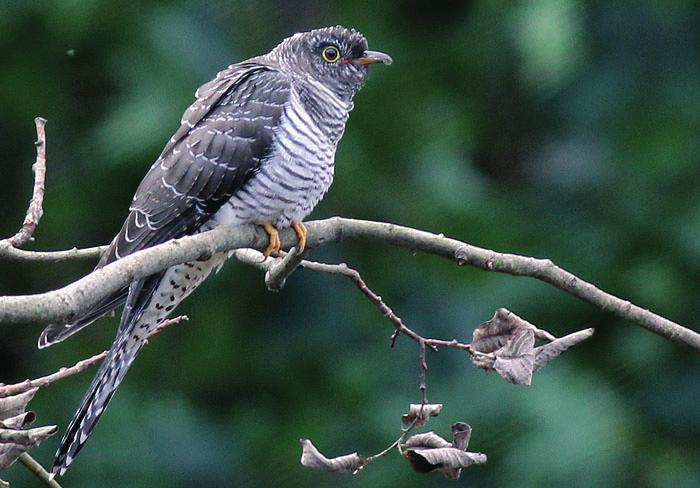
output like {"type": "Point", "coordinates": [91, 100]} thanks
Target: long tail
{"type": "Point", "coordinates": [150, 301]}
{"type": "Point", "coordinates": [54, 333]}
{"type": "Point", "coordinates": [129, 341]}
{"type": "Point", "coordinates": [101, 390]}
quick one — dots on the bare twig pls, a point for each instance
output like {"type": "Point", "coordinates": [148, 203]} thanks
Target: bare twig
{"type": "Point", "coordinates": [277, 275]}
{"type": "Point", "coordinates": [423, 368]}
{"type": "Point", "coordinates": [26, 385]}
{"type": "Point", "coordinates": [35, 210]}
{"type": "Point", "coordinates": [11, 253]}
{"type": "Point", "coordinates": [389, 448]}
{"type": "Point", "coordinates": [400, 326]}
{"type": "Point", "coordinates": [37, 469]}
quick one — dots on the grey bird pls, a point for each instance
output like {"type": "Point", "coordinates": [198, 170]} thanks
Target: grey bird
{"type": "Point", "coordinates": [256, 147]}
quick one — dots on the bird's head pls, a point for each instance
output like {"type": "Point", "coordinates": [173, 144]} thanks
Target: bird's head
{"type": "Point", "coordinates": [335, 56]}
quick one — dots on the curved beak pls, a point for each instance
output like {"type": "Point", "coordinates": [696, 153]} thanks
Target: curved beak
{"type": "Point", "coordinates": [373, 57]}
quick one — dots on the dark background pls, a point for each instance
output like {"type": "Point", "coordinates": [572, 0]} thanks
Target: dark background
{"type": "Point", "coordinates": [560, 129]}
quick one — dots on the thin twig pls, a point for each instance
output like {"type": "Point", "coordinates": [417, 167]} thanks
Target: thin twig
{"type": "Point", "coordinates": [8, 390]}
{"type": "Point", "coordinates": [38, 470]}
{"type": "Point", "coordinates": [36, 209]}
{"type": "Point", "coordinates": [354, 275]}
{"type": "Point", "coordinates": [400, 326]}
{"type": "Point", "coordinates": [388, 449]}
{"type": "Point", "coordinates": [423, 368]}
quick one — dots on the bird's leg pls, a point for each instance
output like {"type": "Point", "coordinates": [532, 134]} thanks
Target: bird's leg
{"type": "Point", "coordinates": [301, 232]}
{"type": "Point", "coordinates": [275, 243]}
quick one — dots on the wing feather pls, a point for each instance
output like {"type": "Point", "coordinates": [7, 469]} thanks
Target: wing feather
{"type": "Point", "coordinates": [223, 137]}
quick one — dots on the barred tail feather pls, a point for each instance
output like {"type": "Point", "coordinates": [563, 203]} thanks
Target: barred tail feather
{"type": "Point", "coordinates": [54, 333]}
{"type": "Point", "coordinates": [101, 390]}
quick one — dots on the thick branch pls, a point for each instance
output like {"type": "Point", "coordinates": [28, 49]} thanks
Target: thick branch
{"type": "Point", "coordinates": [61, 304]}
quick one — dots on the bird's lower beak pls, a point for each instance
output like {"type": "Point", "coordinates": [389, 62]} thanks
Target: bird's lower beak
{"type": "Point", "coordinates": [374, 57]}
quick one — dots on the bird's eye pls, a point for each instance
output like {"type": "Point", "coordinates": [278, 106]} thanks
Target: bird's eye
{"type": "Point", "coordinates": [330, 54]}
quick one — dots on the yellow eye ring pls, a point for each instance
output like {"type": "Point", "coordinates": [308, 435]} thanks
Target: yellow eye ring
{"type": "Point", "coordinates": [330, 54]}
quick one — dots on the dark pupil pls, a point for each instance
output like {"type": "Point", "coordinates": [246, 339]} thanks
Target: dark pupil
{"type": "Point", "coordinates": [331, 53]}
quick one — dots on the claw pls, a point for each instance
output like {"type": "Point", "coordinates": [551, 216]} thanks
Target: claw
{"type": "Point", "coordinates": [301, 232]}
{"type": "Point", "coordinates": [275, 243]}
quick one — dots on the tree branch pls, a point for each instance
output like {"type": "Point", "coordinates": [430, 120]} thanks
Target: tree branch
{"type": "Point", "coordinates": [35, 210]}
{"type": "Point", "coordinates": [63, 303]}
{"type": "Point", "coordinates": [11, 253]}
{"type": "Point", "coordinates": [38, 470]}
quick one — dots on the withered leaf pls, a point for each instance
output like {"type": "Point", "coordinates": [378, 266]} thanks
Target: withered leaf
{"type": "Point", "coordinates": [426, 440]}
{"type": "Point", "coordinates": [15, 442]}
{"type": "Point", "coordinates": [515, 361]}
{"type": "Point", "coordinates": [425, 460]}
{"type": "Point", "coordinates": [495, 332]}
{"type": "Point", "coordinates": [14, 405]}
{"type": "Point", "coordinates": [427, 452]}
{"type": "Point", "coordinates": [418, 414]}
{"type": "Point", "coordinates": [545, 353]}
{"type": "Point", "coordinates": [506, 344]}
{"type": "Point", "coordinates": [312, 458]}
{"type": "Point", "coordinates": [18, 421]}
{"type": "Point", "coordinates": [461, 433]}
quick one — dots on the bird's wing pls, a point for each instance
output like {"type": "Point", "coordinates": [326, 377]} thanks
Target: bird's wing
{"type": "Point", "coordinates": [222, 138]}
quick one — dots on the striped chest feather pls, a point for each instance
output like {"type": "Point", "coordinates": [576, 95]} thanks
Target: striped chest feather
{"type": "Point", "coordinates": [299, 170]}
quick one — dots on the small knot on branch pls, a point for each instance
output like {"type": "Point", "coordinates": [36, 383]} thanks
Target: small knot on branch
{"type": "Point", "coordinates": [461, 256]}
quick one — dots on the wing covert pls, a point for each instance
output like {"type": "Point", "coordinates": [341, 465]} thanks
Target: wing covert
{"type": "Point", "coordinates": [223, 138]}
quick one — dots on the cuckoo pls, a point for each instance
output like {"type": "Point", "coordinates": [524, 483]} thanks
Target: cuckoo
{"type": "Point", "coordinates": [256, 147]}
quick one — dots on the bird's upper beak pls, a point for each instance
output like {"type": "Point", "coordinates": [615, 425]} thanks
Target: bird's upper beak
{"type": "Point", "coordinates": [373, 57]}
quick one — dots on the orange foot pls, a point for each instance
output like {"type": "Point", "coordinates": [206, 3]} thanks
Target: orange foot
{"type": "Point", "coordinates": [301, 232]}
{"type": "Point", "coordinates": [275, 243]}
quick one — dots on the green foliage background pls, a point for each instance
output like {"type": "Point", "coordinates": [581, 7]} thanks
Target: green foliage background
{"type": "Point", "coordinates": [562, 129]}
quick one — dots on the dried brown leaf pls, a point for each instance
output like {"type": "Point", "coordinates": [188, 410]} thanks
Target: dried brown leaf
{"type": "Point", "coordinates": [425, 460]}
{"type": "Point", "coordinates": [427, 452]}
{"type": "Point", "coordinates": [426, 440]}
{"type": "Point", "coordinates": [418, 414]}
{"type": "Point", "coordinates": [515, 361]}
{"type": "Point", "coordinates": [495, 332]}
{"type": "Point", "coordinates": [506, 344]}
{"type": "Point", "coordinates": [26, 437]}
{"type": "Point", "coordinates": [14, 405]}
{"type": "Point", "coordinates": [461, 433]}
{"type": "Point", "coordinates": [15, 442]}
{"type": "Point", "coordinates": [312, 458]}
{"type": "Point", "coordinates": [18, 421]}
{"type": "Point", "coordinates": [482, 360]}
{"type": "Point", "coordinates": [547, 352]}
